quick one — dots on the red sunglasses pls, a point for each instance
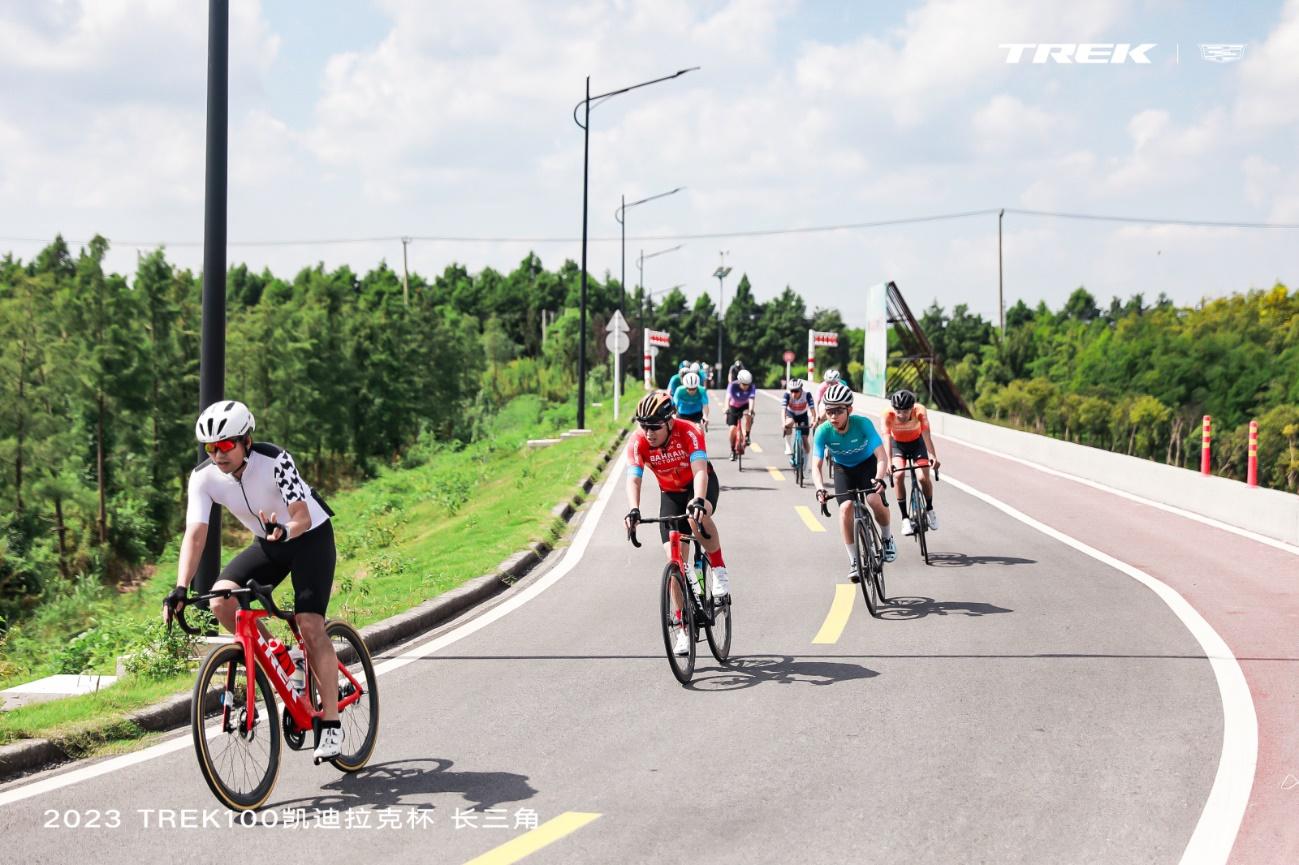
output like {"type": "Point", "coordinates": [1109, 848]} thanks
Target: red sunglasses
{"type": "Point", "coordinates": [225, 445]}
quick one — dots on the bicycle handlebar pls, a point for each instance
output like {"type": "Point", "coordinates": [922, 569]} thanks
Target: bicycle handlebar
{"type": "Point", "coordinates": [911, 466]}
{"type": "Point", "coordinates": [254, 589]}
{"type": "Point", "coordinates": [631, 532]}
{"type": "Point", "coordinates": [878, 488]}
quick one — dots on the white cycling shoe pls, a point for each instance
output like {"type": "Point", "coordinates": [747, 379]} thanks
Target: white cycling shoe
{"type": "Point", "coordinates": [932, 519]}
{"type": "Point", "coordinates": [908, 527]}
{"type": "Point", "coordinates": [682, 644]}
{"type": "Point", "coordinates": [721, 583]}
{"type": "Point", "coordinates": [330, 744]}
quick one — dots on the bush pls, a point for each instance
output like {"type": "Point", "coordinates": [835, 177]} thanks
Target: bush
{"type": "Point", "coordinates": [162, 653]}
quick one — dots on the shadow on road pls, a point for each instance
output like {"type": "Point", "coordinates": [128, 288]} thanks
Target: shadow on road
{"type": "Point", "coordinates": [918, 608]}
{"type": "Point", "coordinates": [778, 669]}
{"type": "Point", "coordinates": [415, 783]}
{"type": "Point", "coordinates": [961, 560]}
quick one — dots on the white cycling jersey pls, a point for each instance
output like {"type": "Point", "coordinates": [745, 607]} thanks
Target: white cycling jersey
{"type": "Point", "coordinates": [270, 483]}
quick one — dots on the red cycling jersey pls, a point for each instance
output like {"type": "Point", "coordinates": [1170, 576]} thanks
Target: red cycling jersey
{"type": "Point", "coordinates": [670, 464]}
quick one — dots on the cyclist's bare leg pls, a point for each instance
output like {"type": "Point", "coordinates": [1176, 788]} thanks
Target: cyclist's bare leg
{"type": "Point", "coordinates": [926, 485]}
{"type": "Point", "coordinates": [320, 652]}
{"type": "Point", "coordinates": [877, 507]}
{"type": "Point", "coordinates": [845, 520]}
{"type": "Point", "coordinates": [714, 542]}
{"type": "Point", "coordinates": [225, 608]}
{"type": "Point", "coordinates": [900, 484]}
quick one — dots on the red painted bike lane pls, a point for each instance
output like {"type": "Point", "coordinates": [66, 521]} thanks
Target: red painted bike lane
{"type": "Point", "coordinates": [1244, 589]}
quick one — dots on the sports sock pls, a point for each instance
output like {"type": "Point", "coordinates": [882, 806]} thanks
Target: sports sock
{"type": "Point", "coordinates": [715, 559]}
{"type": "Point", "coordinates": [852, 552]}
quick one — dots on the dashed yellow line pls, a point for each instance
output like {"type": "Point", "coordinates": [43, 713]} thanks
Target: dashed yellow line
{"type": "Point", "coordinates": [808, 520]}
{"type": "Point", "coordinates": [775, 473]}
{"type": "Point", "coordinates": [530, 842]}
{"type": "Point", "coordinates": [837, 618]}
{"type": "Point", "coordinates": [756, 448]}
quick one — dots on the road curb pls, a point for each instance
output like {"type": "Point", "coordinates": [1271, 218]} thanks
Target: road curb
{"type": "Point", "coordinates": [31, 755]}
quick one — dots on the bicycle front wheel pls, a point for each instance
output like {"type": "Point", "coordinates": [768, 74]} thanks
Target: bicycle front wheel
{"type": "Point", "coordinates": [358, 696]}
{"type": "Point", "coordinates": [239, 764]}
{"type": "Point", "coordinates": [866, 556]}
{"type": "Point", "coordinates": [683, 666]}
{"type": "Point", "coordinates": [921, 522]}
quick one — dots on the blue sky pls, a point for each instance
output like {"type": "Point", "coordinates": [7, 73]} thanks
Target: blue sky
{"type": "Point", "coordinates": [396, 117]}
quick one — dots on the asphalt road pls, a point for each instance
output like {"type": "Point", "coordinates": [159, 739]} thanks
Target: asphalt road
{"type": "Point", "coordinates": [1022, 703]}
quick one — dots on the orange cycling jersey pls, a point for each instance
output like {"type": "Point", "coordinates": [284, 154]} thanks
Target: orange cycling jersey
{"type": "Point", "coordinates": [906, 430]}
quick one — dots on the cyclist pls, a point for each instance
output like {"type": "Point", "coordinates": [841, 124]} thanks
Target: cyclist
{"type": "Point", "coordinates": [906, 427]}
{"type": "Point", "coordinates": [675, 381]}
{"type": "Point", "coordinates": [250, 478]}
{"type": "Point", "coordinates": [797, 403]}
{"type": "Point", "coordinates": [830, 377]}
{"type": "Point", "coordinates": [734, 371]}
{"type": "Point", "coordinates": [859, 454]}
{"type": "Point", "coordinates": [741, 403]}
{"type": "Point", "coordinates": [675, 452]}
{"type": "Point", "coordinates": [705, 375]}
{"type": "Point", "coordinates": [691, 401]}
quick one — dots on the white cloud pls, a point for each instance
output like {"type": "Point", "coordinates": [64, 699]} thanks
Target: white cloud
{"type": "Point", "coordinates": [1006, 126]}
{"type": "Point", "coordinates": [1269, 76]}
{"type": "Point", "coordinates": [1164, 153]}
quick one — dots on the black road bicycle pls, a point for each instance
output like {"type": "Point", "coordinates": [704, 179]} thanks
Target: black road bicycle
{"type": "Point", "coordinates": [870, 547]}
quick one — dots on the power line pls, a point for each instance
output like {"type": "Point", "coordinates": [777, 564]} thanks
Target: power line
{"type": "Point", "coordinates": [718, 235]}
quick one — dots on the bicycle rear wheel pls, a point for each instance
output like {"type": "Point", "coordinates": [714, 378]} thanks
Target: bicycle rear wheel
{"type": "Point", "coordinates": [798, 457]}
{"type": "Point", "coordinates": [865, 563]}
{"type": "Point", "coordinates": [360, 718]}
{"type": "Point", "coordinates": [920, 522]}
{"type": "Point", "coordinates": [877, 575]}
{"type": "Point", "coordinates": [719, 632]}
{"type": "Point", "coordinates": [683, 666]}
{"type": "Point", "coordinates": [238, 764]}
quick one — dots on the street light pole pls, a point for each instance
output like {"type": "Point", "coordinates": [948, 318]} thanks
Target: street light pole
{"type": "Point", "coordinates": [585, 123]}
{"type": "Point", "coordinates": [720, 273]}
{"type": "Point", "coordinates": [621, 215]}
{"type": "Point", "coordinates": [1001, 297]}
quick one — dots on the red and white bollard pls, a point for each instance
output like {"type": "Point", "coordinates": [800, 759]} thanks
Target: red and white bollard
{"type": "Point", "coordinates": [1252, 471]}
{"type": "Point", "coordinates": [1204, 451]}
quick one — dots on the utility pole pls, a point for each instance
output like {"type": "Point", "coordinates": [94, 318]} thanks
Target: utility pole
{"type": "Point", "coordinates": [1001, 297]}
{"type": "Point", "coordinates": [721, 272]}
{"type": "Point", "coordinates": [405, 273]}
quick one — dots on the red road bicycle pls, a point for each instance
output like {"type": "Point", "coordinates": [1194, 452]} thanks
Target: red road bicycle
{"type": "Point", "coordinates": [701, 612]}
{"type": "Point", "coordinates": [234, 719]}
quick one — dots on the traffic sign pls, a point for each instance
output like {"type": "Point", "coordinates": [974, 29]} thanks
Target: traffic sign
{"type": "Point", "coordinates": [617, 341]}
{"type": "Point", "coordinates": [789, 357]}
{"type": "Point", "coordinates": [617, 323]}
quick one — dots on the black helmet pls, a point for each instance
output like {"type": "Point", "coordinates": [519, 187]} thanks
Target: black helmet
{"type": "Point", "coordinates": [903, 400]}
{"type": "Point", "coordinates": [656, 406]}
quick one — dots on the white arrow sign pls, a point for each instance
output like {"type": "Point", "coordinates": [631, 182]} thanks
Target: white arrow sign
{"type": "Point", "coordinates": [617, 323]}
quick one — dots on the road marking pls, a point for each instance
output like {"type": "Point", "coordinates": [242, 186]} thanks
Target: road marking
{"type": "Point", "coordinates": [573, 556]}
{"type": "Point", "coordinates": [835, 620]}
{"type": "Point", "coordinates": [1172, 509]}
{"type": "Point", "coordinates": [756, 448]}
{"type": "Point", "coordinates": [1219, 822]}
{"type": "Point", "coordinates": [775, 473]}
{"type": "Point", "coordinates": [530, 842]}
{"type": "Point", "coordinates": [808, 520]}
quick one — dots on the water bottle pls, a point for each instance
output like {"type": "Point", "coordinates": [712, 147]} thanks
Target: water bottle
{"type": "Point", "coordinates": [298, 681]}
{"type": "Point", "coordinates": [281, 654]}
{"type": "Point", "coordinates": [698, 574]}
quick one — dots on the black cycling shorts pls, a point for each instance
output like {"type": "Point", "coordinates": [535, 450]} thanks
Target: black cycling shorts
{"type": "Point", "coordinates": [674, 504]}
{"type": "Point", "coordinates": [912, 450]}
{"type": "Point", "coordinates": [733, 415]}
{"type": "Point", "coordinates": [693, 418]}
{"type": "Point", "coordinates": [858, 477]}
{"type": "Point", "coordinates": [804, 420]}
{"type": "Point", "coordinates": [310, 558]}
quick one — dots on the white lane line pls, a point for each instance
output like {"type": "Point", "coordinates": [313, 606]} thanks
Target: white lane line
{"type": "Point", "coordinates": [1219, 822]}
{"type": "Point", "coordinates": [1172, 509]}
{"type": "Point", "coordinates": [571, 558]}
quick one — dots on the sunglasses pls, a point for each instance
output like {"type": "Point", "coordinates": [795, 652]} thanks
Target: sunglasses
{"type": "Point", "coordinates": [225, 446]}
{"type": "Point", "coordinates": [835, 412]}
{"type": "Point", "coordinates": [652, 427]}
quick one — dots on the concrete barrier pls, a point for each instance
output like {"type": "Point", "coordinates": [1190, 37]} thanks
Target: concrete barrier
{"type": "Point", "coordinates": [1271, 513]}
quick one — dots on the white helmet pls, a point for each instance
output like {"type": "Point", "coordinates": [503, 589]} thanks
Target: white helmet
{"type": "Point", "coordinates": [745, 377]}
{"type": "Point", "coordinates": [831, 375]}
{"type": "Point", "coordinates": [690, 380]}
{"type": "Point", "coordinates": [224, 420]}
{"type": "Point", "coordinates": [795, 384]}
{"type": "Point", "coordinates": [838, 394]}
{"type": "Point", "coordinates": [694, 367]}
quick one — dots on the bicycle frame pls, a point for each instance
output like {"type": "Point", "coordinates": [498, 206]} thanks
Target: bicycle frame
{"type": "Point", "coordinates": [675, 539]}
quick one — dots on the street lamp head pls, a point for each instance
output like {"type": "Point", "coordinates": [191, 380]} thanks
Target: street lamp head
{"type": "Point", "coordinates": [721, 272]}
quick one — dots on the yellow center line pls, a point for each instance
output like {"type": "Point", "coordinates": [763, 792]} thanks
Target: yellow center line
{"type": "Point", "coordinates": [808, 519]}
{"type": "Point", "coordinates": [531, 842]}
{"type": "Point", "coordinates": [756, 448]}
{"type": "Point", "coordinates": [837, 618]}
{"type": "Point", "coordinates": [775, 473]}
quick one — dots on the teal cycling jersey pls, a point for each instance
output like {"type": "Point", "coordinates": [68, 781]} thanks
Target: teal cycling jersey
{"type": "Point", "coordinates": [688, 403]}
{"type": "Point", "coordinates": [852, 447]}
